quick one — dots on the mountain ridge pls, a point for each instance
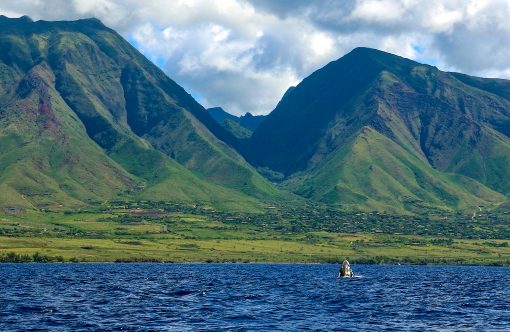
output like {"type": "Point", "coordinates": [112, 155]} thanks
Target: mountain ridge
{"type": "Point", "coordinates": [454, 123]}
{"type": "Point", "coordinates": [240, 126]}
{"type": "Point", "coordinates": [85, 117]}
{"type": "Point", "coordinates": [146, 127]}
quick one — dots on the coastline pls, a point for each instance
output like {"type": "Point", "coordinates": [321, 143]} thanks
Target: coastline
{"type": "Point", "coordinates": [415, 261]}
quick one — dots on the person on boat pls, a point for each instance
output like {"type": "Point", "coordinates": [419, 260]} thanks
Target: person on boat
{"type": "Point", "coordinates": [345, 270]}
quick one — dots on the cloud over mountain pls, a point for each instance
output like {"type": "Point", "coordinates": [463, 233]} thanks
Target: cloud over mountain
{"type": "Point", "coordinates": [243, 54]}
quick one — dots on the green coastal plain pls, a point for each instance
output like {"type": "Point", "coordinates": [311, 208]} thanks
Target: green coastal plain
{"type": "Point", "coordinates": [177, 232]}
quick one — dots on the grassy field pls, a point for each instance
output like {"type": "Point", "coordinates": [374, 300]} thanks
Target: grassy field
{"type": "Point", "coordinates": [203, 235]}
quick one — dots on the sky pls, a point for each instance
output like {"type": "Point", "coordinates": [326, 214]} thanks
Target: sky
{"type": "Point", "coordinates": [243, 55]}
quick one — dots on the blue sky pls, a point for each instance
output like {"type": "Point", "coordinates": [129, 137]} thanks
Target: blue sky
{"type": "Point", "coordinates": [244, 54]}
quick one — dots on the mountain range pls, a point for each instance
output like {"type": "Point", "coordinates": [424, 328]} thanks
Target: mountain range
{"type": "Point", "coordinates": [85, 117]}
{"type": "Point", "coordinates": [240, 126]}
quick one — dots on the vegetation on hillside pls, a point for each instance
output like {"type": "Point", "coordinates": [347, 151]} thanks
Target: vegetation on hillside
{"type": "Point", "coordinates": [441, 137]}
{"type": "Point", "coordinates": [85, 117]}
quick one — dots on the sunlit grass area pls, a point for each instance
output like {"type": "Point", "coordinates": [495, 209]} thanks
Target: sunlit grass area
{"type": "Point", "coordinates": [198, 235]}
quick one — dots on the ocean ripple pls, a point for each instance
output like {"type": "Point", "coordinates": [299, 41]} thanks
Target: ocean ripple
{"type": "Point", "coordinates": [251, 297]}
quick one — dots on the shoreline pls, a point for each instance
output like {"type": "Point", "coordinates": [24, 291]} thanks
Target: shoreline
{"type": "Point", "coordinates": [247, 263]}
{"type": "Point", "coordinates": [339, 263]}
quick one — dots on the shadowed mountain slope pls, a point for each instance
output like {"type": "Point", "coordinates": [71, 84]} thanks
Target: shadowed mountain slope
{"type": "Point", "coordinates": [239, 126]}
{"type": "Point", "coordinates": [452, 124]}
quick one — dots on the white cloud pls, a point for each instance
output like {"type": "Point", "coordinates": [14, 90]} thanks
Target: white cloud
{"type": "Point", "coordinates": [443, 19]}
{"type": "Point", "coordinates": [378, 10]}
{"type": "Point", "coordinates": [244, 54]}
{"type": "Point", "coordinates": [321, 44]}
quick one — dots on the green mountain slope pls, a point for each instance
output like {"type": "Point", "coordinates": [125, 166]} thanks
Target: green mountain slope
{"type": "Point", "coordinates": [451, 123]}
{"type": "Point", "coordinates": [46, 158]}
{"type": "Point", "coordinates": [48, 161]}
{"type": "Point", "coordinates": [128, 128]}
{"type": "Point", "coordinates": [392, 179]}
{"type": "Point", "coordinates": [236, 129]}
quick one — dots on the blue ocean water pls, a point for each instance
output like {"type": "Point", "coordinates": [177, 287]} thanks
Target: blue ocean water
{"type": "Point", "coordinates": [252, 297]}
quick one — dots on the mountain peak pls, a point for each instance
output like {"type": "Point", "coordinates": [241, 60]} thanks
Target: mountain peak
{"type": "Point", "coordinates": [101, 121]}
{"type": "Point", "coordinates": [27, 23]}
{"type": "Point", "coordinates": [366, 50]}
{"type": "Point", "coordinates": [26, 18]}
{"type": "Point", "coordinates": [91, 21]}
{"type": "Point", "coordinates": [21, 18]}
{"type": "Point", "coordinates": [220, 115]}
{"type": "Point", "coordinates": [439, 121]}
{"type": "Point", "coordinates": [362, 54]}
{"type": "Point", "coordinates": [16, 20]}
